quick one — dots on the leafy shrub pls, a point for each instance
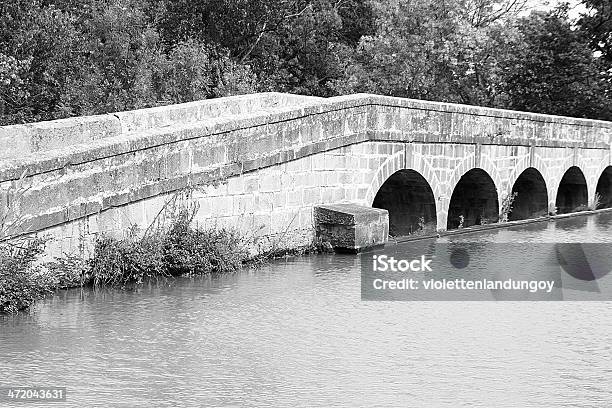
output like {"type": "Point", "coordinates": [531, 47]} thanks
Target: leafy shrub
{"type": "Point", "coordinates": [507, 206]}
{"type": "Point", "coordinates": [21, 281]}
{"type": "Point", "coordinates": [180, 250]}
{"type": "Point", "coordinates": [197, 250]}
{"type": "Point", "coordinates": [68, 272]}
{"type": "Point", "coordinates": [118, 262]}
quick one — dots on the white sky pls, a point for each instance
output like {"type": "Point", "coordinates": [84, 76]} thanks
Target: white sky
{"type": "Point", "coordinates": [576, 8]}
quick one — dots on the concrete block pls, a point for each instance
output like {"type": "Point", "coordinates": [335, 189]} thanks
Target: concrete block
{"type": "Point", "coordinates": [352, 227]}
{"type": "Point", "coordinates": [251, 184]}
{"type": "Point", "coordinates": [243, 204]}
{"type": "Point", "coordinates": [264, 202]}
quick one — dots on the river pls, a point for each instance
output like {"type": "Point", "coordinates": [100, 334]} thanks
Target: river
{"type": "Point", "coordinates": [296, 333]}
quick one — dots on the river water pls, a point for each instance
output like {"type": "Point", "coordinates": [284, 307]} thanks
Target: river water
{"type": "Point", "coordinates": [296, 333]}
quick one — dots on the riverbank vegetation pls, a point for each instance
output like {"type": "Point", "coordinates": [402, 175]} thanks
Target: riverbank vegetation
{"type": "Point", "coordinates": [21, 282]}
{"type": "Point", "coordinates": [175, 247]}
{"type": "Point", "coordinates": [181, 249]}
{"type": "Point", "coordinates": [66, 58]}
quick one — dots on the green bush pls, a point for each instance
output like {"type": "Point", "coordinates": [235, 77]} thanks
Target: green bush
{"type": "Point", "coordinates": [21, 281]}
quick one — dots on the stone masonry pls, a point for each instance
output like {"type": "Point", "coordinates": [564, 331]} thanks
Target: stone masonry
{"type": "Point", "coordinates": [262, 162]}
{"type": "Point", "coordinates": [350, 227]}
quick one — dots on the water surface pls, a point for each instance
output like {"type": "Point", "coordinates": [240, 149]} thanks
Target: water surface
{"type": "Point", "coordinates": [296, 333]}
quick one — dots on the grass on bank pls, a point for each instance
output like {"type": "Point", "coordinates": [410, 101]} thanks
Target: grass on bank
{"type": "Point", "coordinates": [179, 250]}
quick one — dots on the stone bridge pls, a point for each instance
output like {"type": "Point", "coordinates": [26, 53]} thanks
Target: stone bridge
{"type": "Point", "coordinates": [262, 162]}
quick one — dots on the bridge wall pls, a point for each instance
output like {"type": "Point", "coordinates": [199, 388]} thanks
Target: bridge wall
{"type": "Point", "coordinates": [264, 163]}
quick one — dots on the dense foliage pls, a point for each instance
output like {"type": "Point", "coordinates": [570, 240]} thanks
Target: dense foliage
{"type": "Point", "coordinates": [66, 57]}
{"type": "Point", "coordinates": [180, 249]}
{"type": "Point", "coordinates": [21, 281]}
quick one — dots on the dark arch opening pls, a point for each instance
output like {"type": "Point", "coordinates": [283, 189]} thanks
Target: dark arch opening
{"type": "Point", "coordinates": [603, 192]}
{"type": "Point", "coordinates": [572, 195]}
{"type": "Point", "coordinates": [530, 197]}
{"type": "Point", "coordinates": [410, 202]}
{"type": "Point", "coordinates": [474, 201]}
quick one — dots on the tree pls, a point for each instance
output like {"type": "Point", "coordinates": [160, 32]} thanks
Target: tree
{"type": "Point", "coordinates": [62, 58]}
{"type": "Point", "coordinates": [37, 45]}
{"type": "Point", "coordinates": [66, 57]}
{"type": "Point", "coordinates": [293, 45]}
{"type": "Point", "coordinates": [119, 51]}
{"type": "Point", "coordinates": [597, 26]}
{"type": "Point", "coordinates": [426, 49]}
{"type": "Point", "coordinates": [193, 71]}
{"type": "Point", "coordinates": [553, 70]}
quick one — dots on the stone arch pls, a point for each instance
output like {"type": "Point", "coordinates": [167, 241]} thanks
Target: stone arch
{"type": "Point", "coordinates": [474, 201]}
{"type": "Point", "coordinates": [491, 169]}
{"type": "Point", "coordinates": [572, 193]}
{"type": "Point", "coordinates": [535, 161]}
{"type": "Point", "coordinates": [603, 191]}
{"type": "Point", "coordinates": [530, 196]}
{"type": "Point", "coordinates": [391, 165]}
{"type": "Point", "coordinates": [596, 172]}
{"type": "Point", "coordinates": [467, 164]}
{"type": "Point", "coordinates": [396, 162]}
{"type": "Point", "coordinates": [558, 167]}
{"type": "Point", "coordinates": [409, 198]}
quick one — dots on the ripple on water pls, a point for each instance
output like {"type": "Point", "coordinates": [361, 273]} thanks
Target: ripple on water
{"type": "Point", "coordinates": [296, 333]}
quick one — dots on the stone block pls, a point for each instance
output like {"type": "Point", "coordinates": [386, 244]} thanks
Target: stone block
{"type": "Point", "coordinates": [235, 185]}
{"type": "Point", "coordinates": [312, 195]}
{"type": "Point", "coordinates": [351, 227]}
{"type": "Point", "coordinates": [14, 141]}
{"type": "Point", "coordinates": [65, 132]}
{"type": "Point", "coordinates": [294, 198]}
{"type": "Point", "coordinates": [270, 182]}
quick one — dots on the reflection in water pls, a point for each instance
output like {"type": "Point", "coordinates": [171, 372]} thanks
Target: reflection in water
{"type": "Point", "coordinates": [296, 334]}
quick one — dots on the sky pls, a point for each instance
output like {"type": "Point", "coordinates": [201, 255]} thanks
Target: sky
{"type": "Point", "coordinates": [576, 8]}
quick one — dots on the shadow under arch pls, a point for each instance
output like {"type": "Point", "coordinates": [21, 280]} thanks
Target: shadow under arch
{"type": "Point", "coordinates": [572, 194]}
{"type": "Point", "coordinates": [408, 197]}
{"type": "Point", "coordinates": [474, 201]}
{"type": "Point", "coordinates": [604, 189]}
{"type": "Point", "coordinates": [530, 196]}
